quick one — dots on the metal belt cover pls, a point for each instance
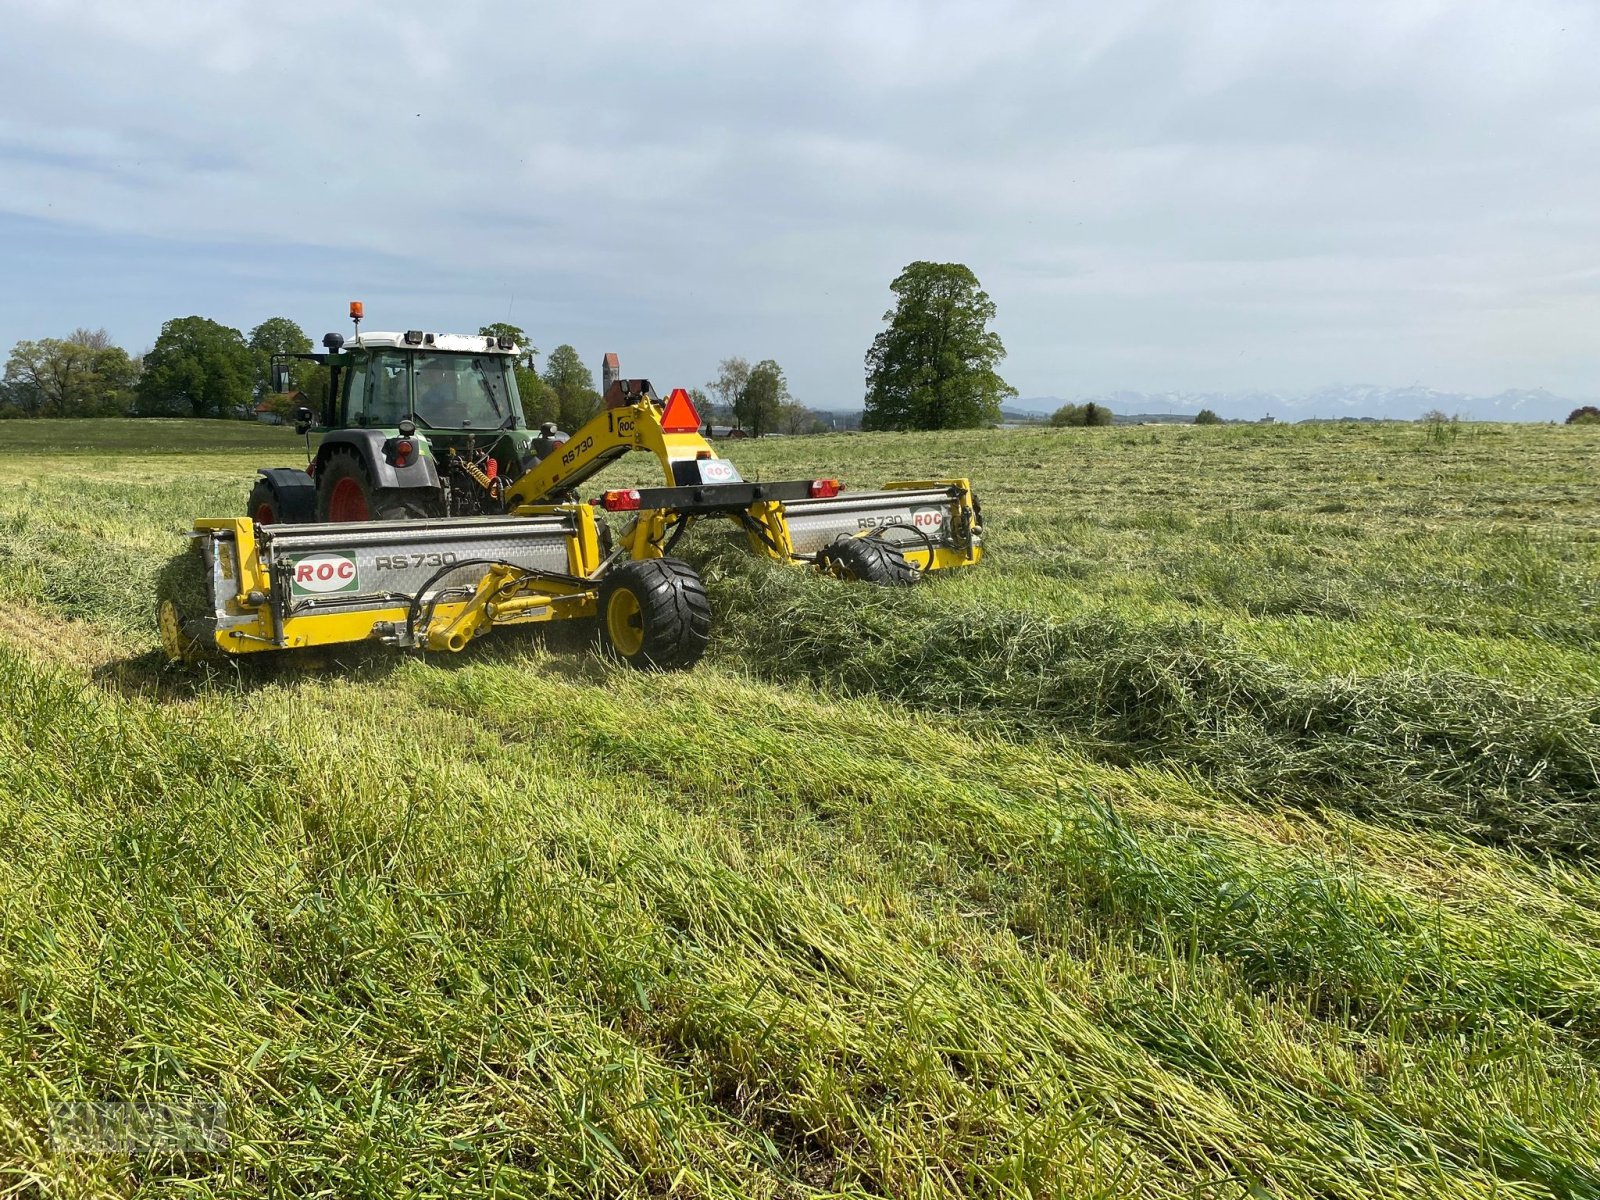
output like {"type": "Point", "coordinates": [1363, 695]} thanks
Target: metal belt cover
{"type": "Point", "coordinates": [360, 565]}
{"type": "Point", "coordinates": [904, 516]}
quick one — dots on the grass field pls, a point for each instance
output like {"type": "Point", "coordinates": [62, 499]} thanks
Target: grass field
{"type": "Point", "coordinates": [1232, 831]}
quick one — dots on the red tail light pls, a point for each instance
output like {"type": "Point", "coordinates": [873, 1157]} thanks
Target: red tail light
{"type": "Point", "coordinates": [403, 450]}
{"type": "Point", "coordinates": [822, 489]}
{"type": "Point", "coordinates": [620, 500]}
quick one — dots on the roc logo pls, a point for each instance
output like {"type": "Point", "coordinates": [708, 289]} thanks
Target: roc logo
{"type": "Point", "coordinates": [717, 470]}
{"type": "Point", "coordinates": [928, 518]}
{"type": "Point", "coordinates": [322, 574]}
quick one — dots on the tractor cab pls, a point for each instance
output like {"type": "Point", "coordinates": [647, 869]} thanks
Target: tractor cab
{"type": "Point", "coordinates": [458, 391]}
{"type": "Point", "coordinates": [413, 424]}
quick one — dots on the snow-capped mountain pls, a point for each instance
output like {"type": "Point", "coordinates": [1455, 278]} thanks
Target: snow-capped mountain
{"type": "Point", "coordinates": [1336, 400]}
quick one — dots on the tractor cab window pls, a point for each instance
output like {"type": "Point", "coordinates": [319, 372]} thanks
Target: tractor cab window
{"type": "Point", "coordinates": [387, 398]}
{"type": "Point", "coordinates": [355, 391]}
{"type": "Point", "coordinates": [465, 391]}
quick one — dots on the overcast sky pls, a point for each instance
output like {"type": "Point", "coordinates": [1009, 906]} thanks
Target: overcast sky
{"type": "Point", "coordinates": [1156, 195]}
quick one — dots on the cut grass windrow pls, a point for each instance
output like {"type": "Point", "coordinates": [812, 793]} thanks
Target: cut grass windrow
{"type": "Point", "coordinates": [1459, 753]}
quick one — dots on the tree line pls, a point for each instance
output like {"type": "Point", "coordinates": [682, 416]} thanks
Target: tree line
{"type": "Point", "coordinates": [201, 368]}
{"type": "Point", "coordinates": [934, 366]}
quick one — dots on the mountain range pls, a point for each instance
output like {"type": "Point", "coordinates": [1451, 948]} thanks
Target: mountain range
{"type": "Point", "coordinates": [1337, 400]}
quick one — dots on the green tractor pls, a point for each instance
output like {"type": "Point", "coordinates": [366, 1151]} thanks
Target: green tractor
{"type": "Point", "coordinates": [414, 424]}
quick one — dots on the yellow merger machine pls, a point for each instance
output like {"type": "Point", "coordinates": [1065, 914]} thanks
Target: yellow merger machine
{"type": "Point", "coordinates": [430, 513]}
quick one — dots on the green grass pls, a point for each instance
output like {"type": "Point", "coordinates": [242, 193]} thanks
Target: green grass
{"type": "Point", "coordinates": [1229, 832]}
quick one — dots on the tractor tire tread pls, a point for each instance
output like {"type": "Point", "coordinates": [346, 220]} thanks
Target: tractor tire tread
{"type": "Point", "coordinates": [262, 496]}
{"type": "Point", "coordinates": [383, 504]}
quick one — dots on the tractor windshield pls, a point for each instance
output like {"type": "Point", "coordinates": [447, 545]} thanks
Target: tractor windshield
{"type": "Point", "coordinates": [466, 391]}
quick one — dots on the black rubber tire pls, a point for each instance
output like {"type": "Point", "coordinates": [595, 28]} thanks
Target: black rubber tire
{"type": "Point", "coordinates": [184, 612]}
{"type": "Point", "coordinates": [263, 500]}
{"type": "Point", "coordinates": [867, 560]}
{"type": "Point", "coordinates": [383, 504]}
{"type": "Point", "coordinates": [674, 614]}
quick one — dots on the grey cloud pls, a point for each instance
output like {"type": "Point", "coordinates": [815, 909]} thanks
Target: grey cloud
{"type": "Point", "coordinates": [1157, 195]}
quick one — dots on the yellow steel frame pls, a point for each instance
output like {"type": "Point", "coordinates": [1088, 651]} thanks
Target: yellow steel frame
{"type": "Point", "coordinates": [617, 431]}
{"type": "Point", "coordinates": [604, 438]}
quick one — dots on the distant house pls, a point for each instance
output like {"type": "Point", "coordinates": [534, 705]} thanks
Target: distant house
{"type": "Point", "coordinates": [273, 406]}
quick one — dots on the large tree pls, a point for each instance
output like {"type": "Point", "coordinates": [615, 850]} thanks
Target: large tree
{"type": "Point", "coordinates": [760, 402]}
{"type": "Point", "coordinates": [197, 368]}
{"type": "Point", "coordinates": [539, 404]}
{"type": "Point", "coordinates": [279, 335]}
{"type": "Point", "coordinates": [732, 375]}
{"type": "Point", "coordinates": [572, 386]}
{"type": "Point", "coordinates": [83, 375]}
{"type": "Point", "coordinates": [526, 350]}
{"type": "Point", "coordinates": [934, 367]}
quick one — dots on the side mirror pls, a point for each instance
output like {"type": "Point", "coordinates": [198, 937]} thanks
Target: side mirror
{"type": "Point", "coordinates": [280, 377]}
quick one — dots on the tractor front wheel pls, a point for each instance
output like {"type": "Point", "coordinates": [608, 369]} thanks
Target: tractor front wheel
{"type": "Point", "coordinates": [263, 504]}
{"type": "Point", "coordinates": [654, 614]}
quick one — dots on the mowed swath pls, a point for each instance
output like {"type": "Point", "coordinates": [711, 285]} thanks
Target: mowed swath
{"type": "Point", "coordinates": [1229, 831]}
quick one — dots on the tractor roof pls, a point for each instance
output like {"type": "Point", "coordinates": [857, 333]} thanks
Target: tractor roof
{"type": "Point", "coordinates": [467, 343]}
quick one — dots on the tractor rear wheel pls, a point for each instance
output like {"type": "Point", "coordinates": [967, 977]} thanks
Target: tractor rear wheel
{"type": "Point", "coordinates": [867, 559]}
{"type": "Point", "coordinates": [345, 492]}
{"type": "Point", "coordinates": [654, 614]}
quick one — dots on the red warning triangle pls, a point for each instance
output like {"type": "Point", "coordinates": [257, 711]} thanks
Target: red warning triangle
{"type": "Point", "coordinates": [680, 416]}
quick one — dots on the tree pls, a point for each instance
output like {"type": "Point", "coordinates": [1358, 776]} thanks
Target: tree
{"type": "Point", "coordinates": [571, 386]}
{"type": "Point", "coordinates": [728, 386]}
{"type": "Point", "coordinates": [1587, 415]}
{"type": "Point", "coordinates": [794, 417]}
{"type": "Point", "coordinates": [526, 350]}
{"type": "Point", "coordinates": [703, 406]}
{"type": "Point", "coordinates": [1206, 417]}
{"type": "Point", "coordinates": [762, 398]}
{"type": "Point", "coordinates": [197, 368]}
{"type": "Point", "coordinates": [279, 335]}
{"type": "Point", "coordinates": [83, 375]}
{"type": "Point", "coordinates": [1079, 415]}
{"type": "Point", "coordinates": [934, 367]}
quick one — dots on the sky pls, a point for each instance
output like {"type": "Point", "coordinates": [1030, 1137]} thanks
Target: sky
{"type": "Point", "coordinates": [1231, 195]}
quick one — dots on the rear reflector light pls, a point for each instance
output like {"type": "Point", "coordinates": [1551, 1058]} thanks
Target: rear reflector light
{"type": "Point", "coordinates": [402, 453]}
{"type": "Point", "coordinates": [824, 488]}
{"type": "Point", "coordinates": [680, 416]}
{"type": "Point", "coordinates": [620, 500]}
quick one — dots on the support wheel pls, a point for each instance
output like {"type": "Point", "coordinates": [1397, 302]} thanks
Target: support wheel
{"type": "Point", "coordinates": [868, 560]}
{"type": "Point", "coordinates": [345, 492]}
{"type": "Point", "coordinates": [185, 614]}
{"type": "Point", "coordinates": [654, 614]}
